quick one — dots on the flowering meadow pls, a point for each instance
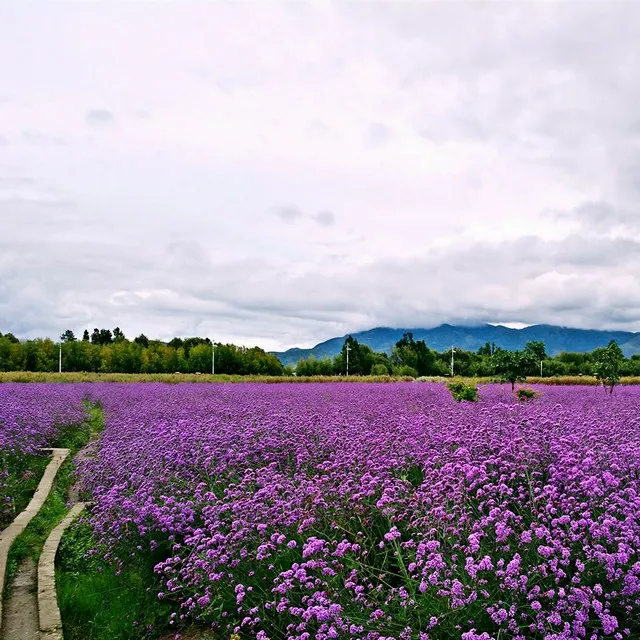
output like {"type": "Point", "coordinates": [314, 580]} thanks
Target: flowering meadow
{"type": "Point", "coordinates": [31, 417]}
{"type": "Point", "coordinates": [376, 511]}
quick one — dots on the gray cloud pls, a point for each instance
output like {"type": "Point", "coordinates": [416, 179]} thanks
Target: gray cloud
{"type": "Point", "coordinates": [601, 217]}
{"type": "Point", "coordinates": [483, 159]}
{"type": "Point", "coordinates": [99, 117]}
{"type": "Point", "coordinates": [324, 218]}
{"type": "Point", "coordinates": [288, 213]}
{"type": "Point", "coordinates": [291, 214]}
{"type": "Point", "coordinates": [580, 281]}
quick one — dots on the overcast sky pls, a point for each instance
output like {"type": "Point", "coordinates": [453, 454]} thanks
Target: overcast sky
{"type": "Point", "coordinates": [278, 174]}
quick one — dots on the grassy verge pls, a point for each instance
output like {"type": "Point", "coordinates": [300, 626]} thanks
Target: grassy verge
{"type": "Point", "coordinates": [23, 473]}
{"type": "Point", "coordinates": [30, 542]}
{"type": "Point", "coordinates": [175, 378]}
{"type": "Point", "coordinates": [97, 604]}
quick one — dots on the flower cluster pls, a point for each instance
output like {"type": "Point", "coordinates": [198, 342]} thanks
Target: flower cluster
{"type": "Point", "coordinates": [377, 511]}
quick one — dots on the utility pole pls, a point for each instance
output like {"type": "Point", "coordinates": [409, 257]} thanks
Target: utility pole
{"type": "Point", "coordinates": [60, 359]}
{"type": "Point", "coordinates": [541, 368]}
{"type": "Point", "coordinates": [348, 348]}
{"type": "Point", "coordinates": [213, 358]}
{"type": "Point", "coordinates": [452, 352]}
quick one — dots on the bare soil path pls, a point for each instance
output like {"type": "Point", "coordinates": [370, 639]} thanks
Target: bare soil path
{"type": "Point", "coordinates": [21, 610]}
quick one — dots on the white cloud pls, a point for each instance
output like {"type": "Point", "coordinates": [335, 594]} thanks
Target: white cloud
{"type": "Point", "coordinates": [422, 153]}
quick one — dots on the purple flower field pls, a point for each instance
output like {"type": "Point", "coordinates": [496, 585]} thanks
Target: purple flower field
{"type": "Point", "coordinates": [31, 414]}
{"type": "Point", "coordinates": [30, 417]}
{"type": "Point", "coordinates": [377, 511]}
{"type": "Point", "coordinates": [362, 511]}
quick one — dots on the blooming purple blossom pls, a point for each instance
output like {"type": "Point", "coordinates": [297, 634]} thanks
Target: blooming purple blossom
{"type": "Point", "coordinates": [377, 511]}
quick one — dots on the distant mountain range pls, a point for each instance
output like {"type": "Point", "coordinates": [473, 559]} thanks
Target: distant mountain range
{"type": "Point", "coordinates": [556, 339]}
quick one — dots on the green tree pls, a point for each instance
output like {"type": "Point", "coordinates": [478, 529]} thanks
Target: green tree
{"type": "Point", "coordinates": [313, 367]}
{"type": "Point", "coordinates": [101, 336]}
{"type": "Point", "coordinates": [379, 369]}
{"type": "Point", "coordinates": [607, 365]}
{"type": "Point", "coordinates": [142, 340]}
{"type": "Point", "coordinates": [511, 365]}
{"type": "Point", "coordinates": [12, 355]}
{"type": "Point", "coordinates": [415, 354]}
{"type": "Point", "coordinates": [68, 336]}
{"type": "Point", "coordinates": [488, 349]}
{"type": "Point", "coordinates": [85, 336]}
{"type": "Point", "coordinates": [404, 352]}
{"type": "Point", "coordinates": [199, 357]}
{"type": "Point", "coordinates": [537, 352]}
{"type": "Point", "coordinates": [360, 358]}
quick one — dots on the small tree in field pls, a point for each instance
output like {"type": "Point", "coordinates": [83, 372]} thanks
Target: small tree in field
{"type": "Point", "coordinates": [512, 365]}
{"type": "Point", "coordinates": [607, 365]}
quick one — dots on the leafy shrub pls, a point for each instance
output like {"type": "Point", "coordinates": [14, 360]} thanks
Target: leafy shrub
{"type": "Point", "coordinates": [462, 391]}
{"type": "Point", "coordinates": [406, 370]}
{"type": "Point", "coordinates": [524, 395]}
{"type": "Point", "coordinates": [379, 370]}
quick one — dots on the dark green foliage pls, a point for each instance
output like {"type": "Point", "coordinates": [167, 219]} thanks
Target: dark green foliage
{"type": "Point", "coordinates": [406, 370]}
{"type": "Point", "coordinates": [360, 358]}
{"type": "Point", "coordinates": [608, 362]}
{"type": "Point", "coordinates": [142, 340]}
{"type": "Point", "coordinates": [104, 351]}
{"type": "Point", "coordinates": [408, 352]}
{"type": "Point", "coordinates": [379, 370]}
{"type": "Point", "coordinates": [415, 475]}
{"type": "Point", "coordinates": [101, 336]}
{"type": "Point", "coordinates": [488, 349]}
{"type": "Point", "coordinates": [462, 391]}
{"type": "Point", "coordinates": [313, 367]}
{"type": "Point", "coordinates": [536, 350]}
{"type": "Point", "coordinates": [512, 366]}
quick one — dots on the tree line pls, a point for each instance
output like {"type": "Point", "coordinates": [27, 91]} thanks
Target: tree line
{"type": "Point", "coordinates": [110, 351]}
{"type": "Point", "coordinates": [107, 351]}
{"type": "Point", "coordinates": [410, 357]}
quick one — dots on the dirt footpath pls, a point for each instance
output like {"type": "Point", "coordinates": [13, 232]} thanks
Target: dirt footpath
{"type": "Point", "coordinates": [21, 610]}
